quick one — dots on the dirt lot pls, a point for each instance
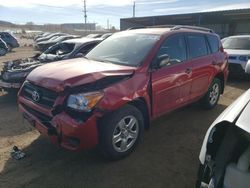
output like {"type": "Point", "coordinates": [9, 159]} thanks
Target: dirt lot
{"type": "Point", "coordinates": [168, 157]}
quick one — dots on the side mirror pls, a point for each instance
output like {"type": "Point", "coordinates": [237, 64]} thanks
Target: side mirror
{"type": "Point", "coordinates": [163, 60]}
{"type": "Point", "coordinates": [79, 55]}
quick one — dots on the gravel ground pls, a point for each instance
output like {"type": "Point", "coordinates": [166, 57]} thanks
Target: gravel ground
{"type": "Point", "coordinates": [168, 156]}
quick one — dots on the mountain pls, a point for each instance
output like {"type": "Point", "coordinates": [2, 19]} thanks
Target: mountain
{"type": "Point", "coordinates": [4, 23]}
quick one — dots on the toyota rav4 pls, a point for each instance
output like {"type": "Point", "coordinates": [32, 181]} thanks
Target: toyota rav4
{"type": "Point", "coordinates": [109, 97]}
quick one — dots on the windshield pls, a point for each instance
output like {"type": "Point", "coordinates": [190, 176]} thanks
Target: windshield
{"type": "Point", "coordinates": [124, 48]}
{"type": "Point", "coordinates": [242, 43]}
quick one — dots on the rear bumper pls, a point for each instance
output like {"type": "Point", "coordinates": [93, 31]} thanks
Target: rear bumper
{"type": "Point", "coordinates": [61, 129]}
{"type": "Point", "coordinates": [7, 85]}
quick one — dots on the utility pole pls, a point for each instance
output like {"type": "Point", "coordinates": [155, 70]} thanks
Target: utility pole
{"type": "Point", "coordinates": [134, 9]}
{"type": "Point", "coordinates": [107, 24]}
{"type": "Point", "coordinates": [85, 13]}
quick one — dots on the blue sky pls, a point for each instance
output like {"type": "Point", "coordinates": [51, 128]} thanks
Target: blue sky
{"type": "Point", "coordinates": [71, 11]}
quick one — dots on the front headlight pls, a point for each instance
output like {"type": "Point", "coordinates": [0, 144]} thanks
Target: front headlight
{"type": "Point", "coordinates": [84, 101]}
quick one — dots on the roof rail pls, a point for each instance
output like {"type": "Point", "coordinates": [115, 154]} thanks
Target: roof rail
{"type": "Point", "coordinates": [161, 26]}
{"type": "Point", "coordinates": [192, 27]}
{"type": "Point", "coordinates": [137, 27]}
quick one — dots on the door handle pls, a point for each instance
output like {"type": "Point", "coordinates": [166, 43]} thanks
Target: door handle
{"type": "Point", "coordinates": [188, 70]}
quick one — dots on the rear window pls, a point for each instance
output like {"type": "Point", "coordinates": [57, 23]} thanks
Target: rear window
{"type": "Point", "coordinates": [213, 43]}
{"type": "Point", "coordinates": [197, 45]}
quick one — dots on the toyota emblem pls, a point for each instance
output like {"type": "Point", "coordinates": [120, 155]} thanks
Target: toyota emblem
{"type": "Point", "coordinates": [35, 96]}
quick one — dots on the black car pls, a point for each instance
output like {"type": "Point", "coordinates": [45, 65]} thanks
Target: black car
{"type": "Point", "coordinates": [15, 72]}
{"type": "Point", "coordinates": [10, 40]}
{"type": "Point", "coordinates": [69, 49]}
{"type": "Point", "coordinates": [3, 47]}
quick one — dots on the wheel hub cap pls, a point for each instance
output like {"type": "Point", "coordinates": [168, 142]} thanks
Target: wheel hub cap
{"type": "Point", "coordinates": [125, 133]}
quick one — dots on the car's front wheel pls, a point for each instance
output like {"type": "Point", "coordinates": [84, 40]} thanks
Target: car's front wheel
{"type": "Point", "coordinates": [212, 96]}
{"type": "Point", "coordinates": [120, 132]}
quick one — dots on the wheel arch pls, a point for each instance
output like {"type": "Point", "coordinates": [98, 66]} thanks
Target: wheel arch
{"type": "Point", "coordinates": [141, 104]}
{"type": "Point", "coordinates": [220, 76]}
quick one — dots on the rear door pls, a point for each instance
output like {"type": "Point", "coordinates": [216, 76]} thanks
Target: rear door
{"type": "Point", "coordinates": [199, 55]}
{"type": "Point", "coordinates": [171, 84]}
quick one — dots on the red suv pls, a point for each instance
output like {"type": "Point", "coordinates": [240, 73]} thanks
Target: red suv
{"type": "Point", "coordinates": [109, 97]}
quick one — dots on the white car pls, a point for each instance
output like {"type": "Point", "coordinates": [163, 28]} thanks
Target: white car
{"type": "Point", "coordinates": [238, 49]}
{"type": "Point", "coordinates": [225, 153]}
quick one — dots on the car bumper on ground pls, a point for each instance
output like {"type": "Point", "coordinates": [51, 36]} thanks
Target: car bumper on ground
{"type": "Point", "coordinates": [61, 129]}
{"type": "Point", "coordinates": [7, 85]}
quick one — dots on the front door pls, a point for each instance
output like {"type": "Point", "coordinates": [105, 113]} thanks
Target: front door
{"type": "Point", "coordinates": [171, 83]}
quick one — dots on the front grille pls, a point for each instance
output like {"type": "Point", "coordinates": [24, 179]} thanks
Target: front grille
{"type": "Point", "coordinates": [42, 117]}
{"type": "Point", "coordinates": [46, 97]}
{"type": "Point", "coordinates": [45, 120]}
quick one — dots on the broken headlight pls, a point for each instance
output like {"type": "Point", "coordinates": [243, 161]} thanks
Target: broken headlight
{"type": "Point", "coordinates": [84, 101]}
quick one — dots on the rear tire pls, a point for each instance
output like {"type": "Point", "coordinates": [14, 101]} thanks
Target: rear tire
{"type": "Point", "coordinates": [120, 132]}
{"type": "Point", "coordinates": [212, 96]}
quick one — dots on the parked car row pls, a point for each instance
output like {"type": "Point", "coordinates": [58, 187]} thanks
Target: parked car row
{"type": "Point", "coordinates": [14, 72]}
{"type": "Point", "coordinates": [43, 43]}
{"type": "Point", "coordinates": [45, 40]}
{"type": "Point", "coordinates": [7, 43]}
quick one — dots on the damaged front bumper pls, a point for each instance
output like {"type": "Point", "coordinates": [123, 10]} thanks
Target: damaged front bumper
{"type": "Point", "coordinates": [61, 129]}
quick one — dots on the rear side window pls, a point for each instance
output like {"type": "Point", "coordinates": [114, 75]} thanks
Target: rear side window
{"type": "Point", "coordinates": [213, 43]}
{"type": "Point", "coordinates": [197, 45]}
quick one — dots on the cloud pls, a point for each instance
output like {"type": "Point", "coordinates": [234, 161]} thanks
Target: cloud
{"type": "Point", "coordinates": [64, 3]}
{"type": "Point", "coordinates": [143, 2]}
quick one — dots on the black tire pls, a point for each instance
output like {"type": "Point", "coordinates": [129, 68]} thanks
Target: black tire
{"type": "Point", "coordinates": [110, 126]}
{"type": "Point", "coordinates": [206, 101]}
{"type": "Point", "coordinates": [3, 51]}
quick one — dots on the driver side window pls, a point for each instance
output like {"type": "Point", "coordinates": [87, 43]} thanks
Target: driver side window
{"type": "Point", "coordinates": [175, 48]}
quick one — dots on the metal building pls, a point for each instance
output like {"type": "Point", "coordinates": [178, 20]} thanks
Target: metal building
{"type": "Point", "coordinates": [225, 23]}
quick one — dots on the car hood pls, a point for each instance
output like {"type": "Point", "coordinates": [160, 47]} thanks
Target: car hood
{"type": "Point", "coordinates": [237, 52]}
{"type": "Point", "coordinates": [237, 114]}
{"type": "Point", "coordinates": [74, 72]}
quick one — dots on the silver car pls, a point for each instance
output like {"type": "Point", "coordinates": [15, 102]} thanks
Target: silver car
{"type": "Point", "coordinates": [225, 153]}
{"type": "Point", "coordinates": [238, 49]}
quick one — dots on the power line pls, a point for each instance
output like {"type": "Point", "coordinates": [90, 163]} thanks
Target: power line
{"type": "Point", "coordinates": [134, 9]}
{"type": "Point", "coordinates": [85, 12]}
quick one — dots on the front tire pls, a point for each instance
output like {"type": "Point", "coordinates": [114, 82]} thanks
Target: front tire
{"type": "Point", "coordinates": [212, 96]}
{"type": "Point", "coordinates": [120, 132]}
